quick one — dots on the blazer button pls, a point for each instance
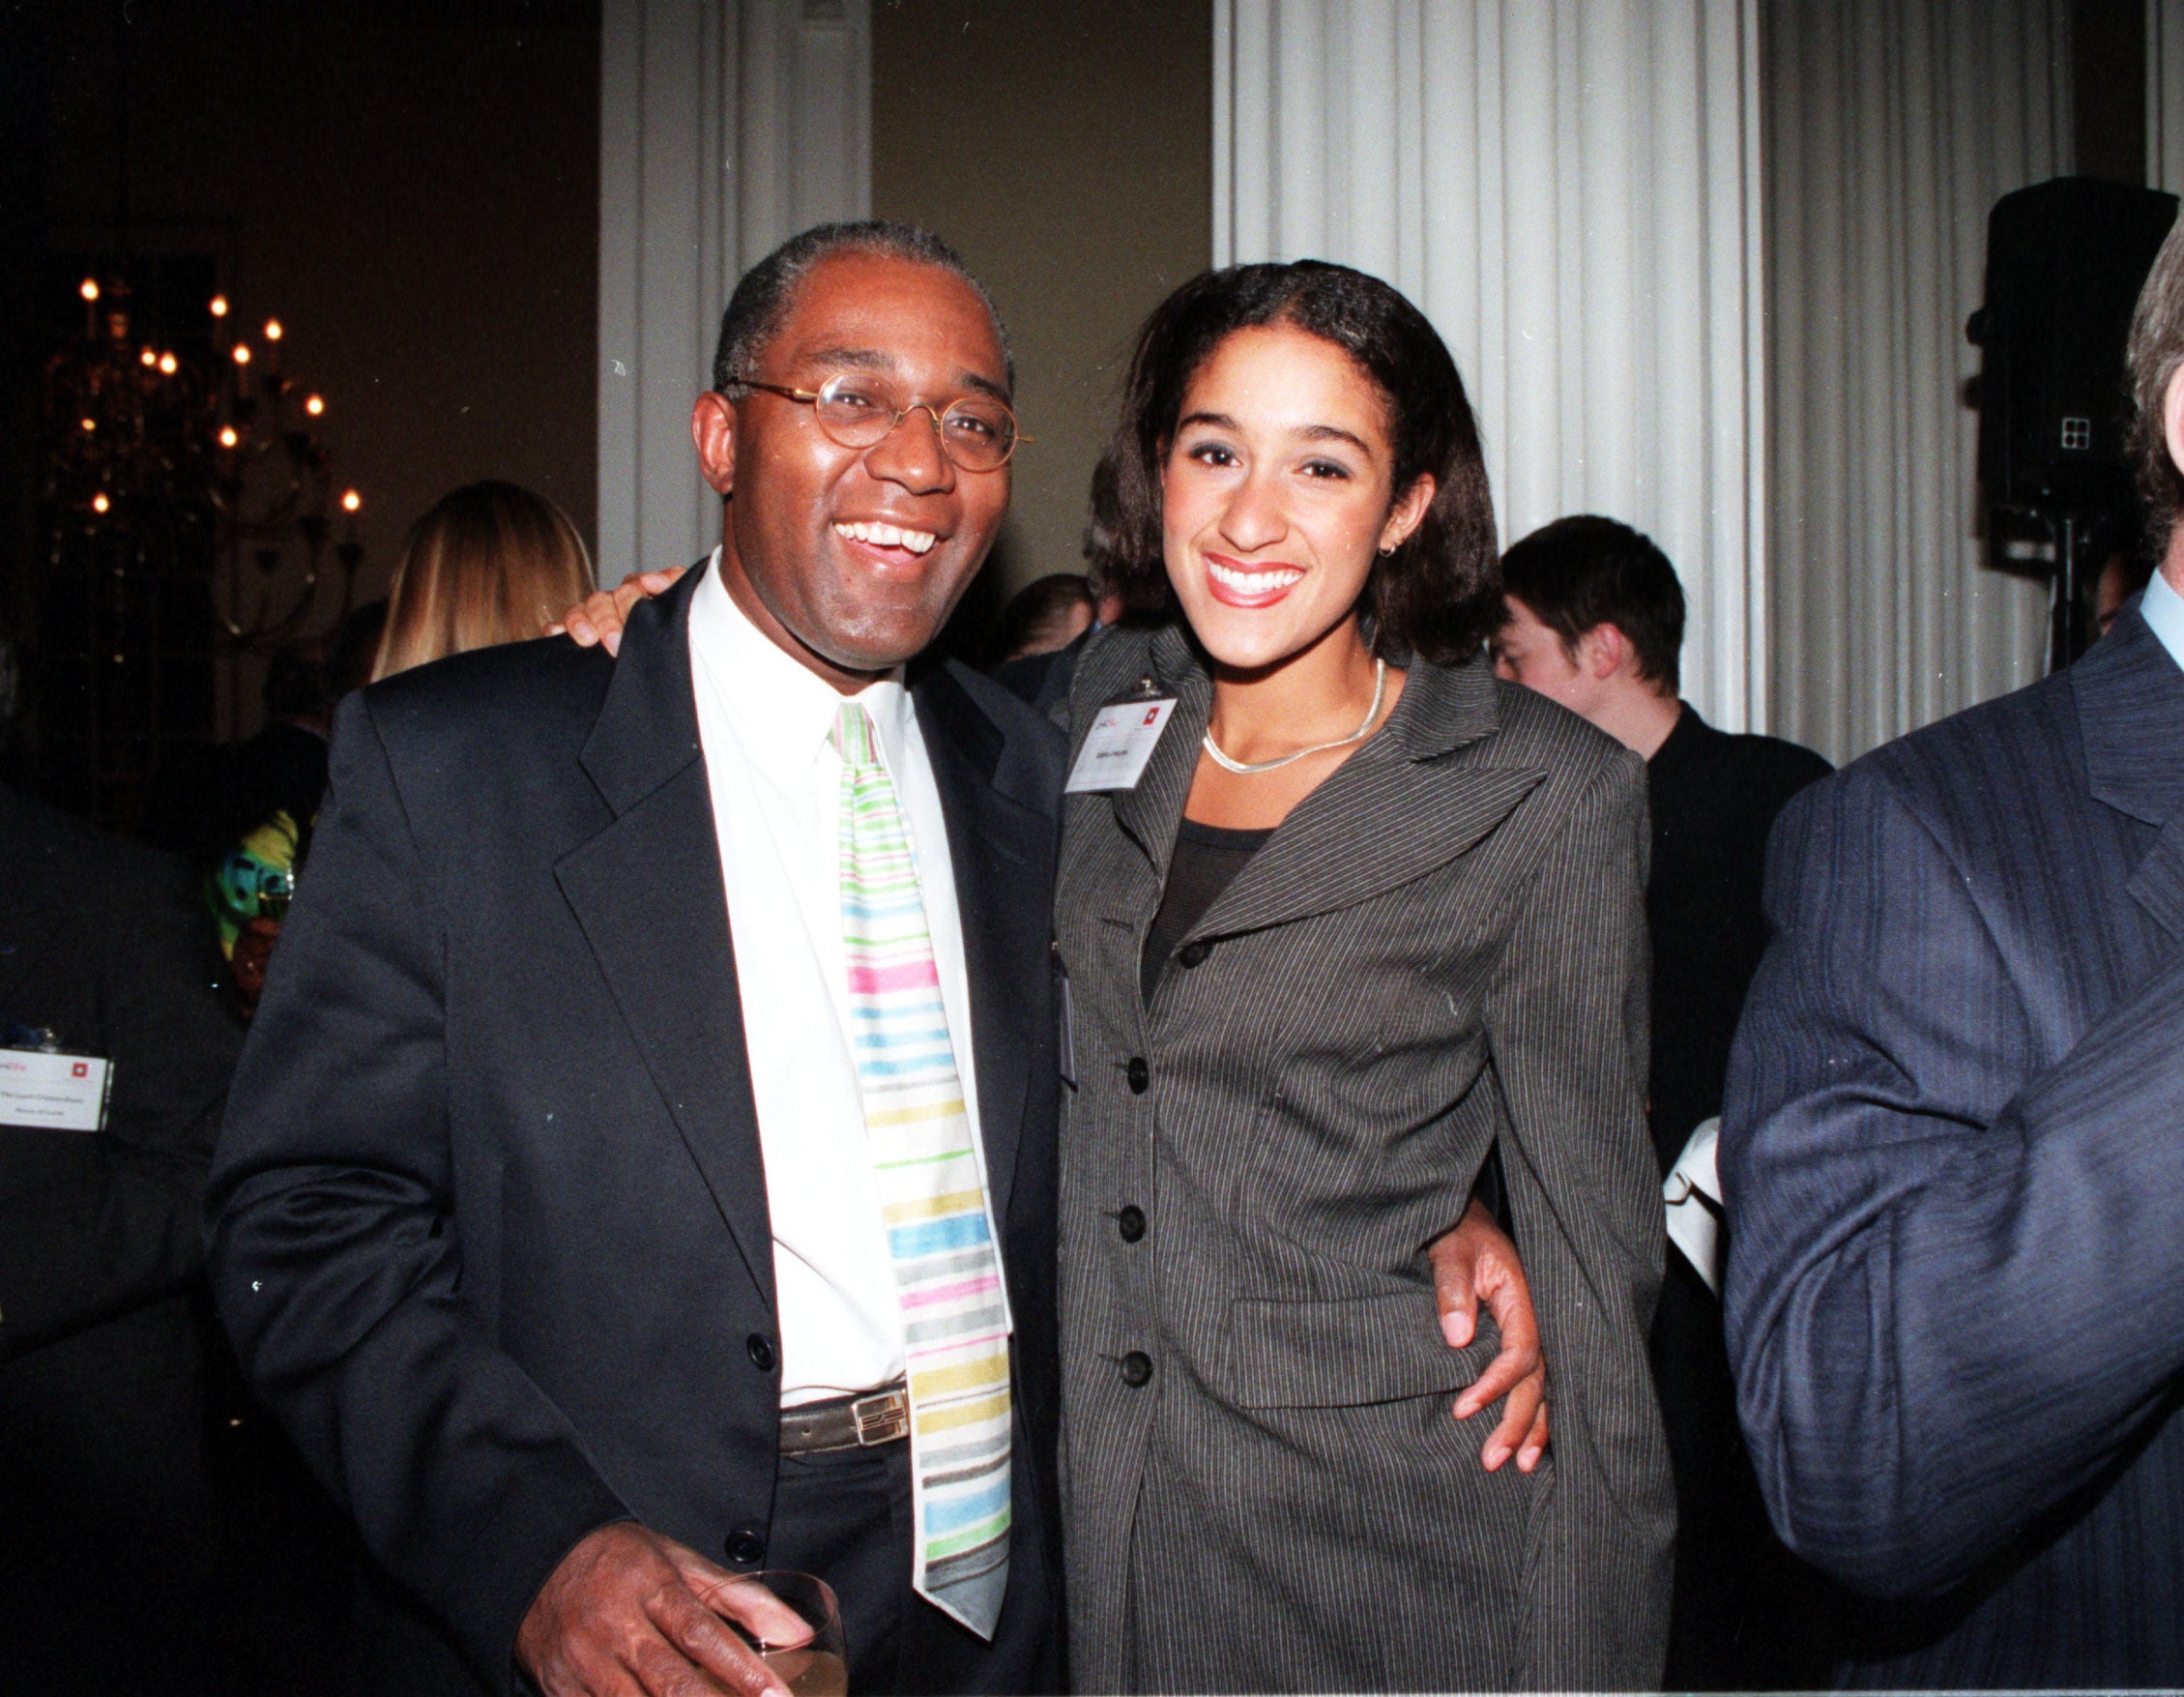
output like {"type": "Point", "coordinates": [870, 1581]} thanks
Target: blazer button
{"type": "Point", "coordinates": [1130, 1222]}
{"type": "Point", "coordinates": [1193, 953]}
{"type": "Point", "coordinates": [746, 1547]}
{"type": "Point", "coordinates": [760, 1352]}
{"type": "Point", "coordinates": [1137, 1368]}
{"type": "Point", "coordinates": [1139, 1074]}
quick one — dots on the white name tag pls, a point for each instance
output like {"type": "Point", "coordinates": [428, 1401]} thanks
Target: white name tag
{"type": "Point", "coordinates": [53, 1092]}
{"type": "Point", "coordinates": [1121, 740]}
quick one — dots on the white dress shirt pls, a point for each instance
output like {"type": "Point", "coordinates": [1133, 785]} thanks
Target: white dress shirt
{"type": "Point", "coordinates": [2163, 609]}
{"type": "Point", "coordinates": [764, 721]}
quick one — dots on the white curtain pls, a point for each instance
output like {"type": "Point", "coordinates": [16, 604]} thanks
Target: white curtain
{"type": "Point", "coordinates": [1569, 190]}
{"type": "Point", "coordinates": [726, 127]}
{"type": "Point", "coordinates": [1892, 128]}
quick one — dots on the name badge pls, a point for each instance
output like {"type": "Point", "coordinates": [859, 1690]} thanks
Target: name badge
{"type": "Point", "coordinates": [1121, 740]}
{"type": "Point", "coordinates": [53, 1092]}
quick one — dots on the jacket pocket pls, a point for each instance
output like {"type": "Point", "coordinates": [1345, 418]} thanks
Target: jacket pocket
{"type": "Point", "coordinates": [1346, 1352]}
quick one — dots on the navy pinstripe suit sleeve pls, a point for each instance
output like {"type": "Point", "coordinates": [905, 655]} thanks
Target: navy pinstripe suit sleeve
{"type": "Point", "coordinates": [1952, 1283]}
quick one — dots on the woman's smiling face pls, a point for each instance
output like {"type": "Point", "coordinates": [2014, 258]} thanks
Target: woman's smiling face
{"type": "Point", "coordinates": [1276, 494]}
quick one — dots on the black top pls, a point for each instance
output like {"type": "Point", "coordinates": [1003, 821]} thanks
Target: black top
{"type": "Point", "coordinates": [1714, 798]}
{"type": "Point", "coordinates": [1206, 861]}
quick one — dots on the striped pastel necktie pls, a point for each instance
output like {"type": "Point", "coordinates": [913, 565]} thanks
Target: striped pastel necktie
{"type": "Point", "coordinates": [948, 1270]}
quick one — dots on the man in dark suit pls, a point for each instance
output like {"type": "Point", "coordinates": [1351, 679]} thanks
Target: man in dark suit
{"type": "Point", "coordinates": [110, 1527]}
{"type": "Point", "coordinates": [524, 1220]}
{"type": "Point", "coordinates": [1953, 1152]}
{"type": "Point", "coordinates": [1595, 620]}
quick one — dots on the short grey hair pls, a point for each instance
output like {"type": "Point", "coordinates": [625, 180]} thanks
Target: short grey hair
{"type": "Point", "coordinates": [765, 292]}
{"type": "Point", "coordinates": [2155, 352]}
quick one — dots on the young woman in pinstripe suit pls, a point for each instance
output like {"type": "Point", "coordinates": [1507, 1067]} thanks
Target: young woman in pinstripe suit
{"type": "Point", "coordinates": [1366, 915]}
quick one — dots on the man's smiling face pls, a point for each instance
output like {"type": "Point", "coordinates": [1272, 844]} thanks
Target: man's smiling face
{"type": "Point", "coordinates": [853, 558]}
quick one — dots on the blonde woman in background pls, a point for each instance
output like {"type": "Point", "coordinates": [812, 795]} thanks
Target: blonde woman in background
{"type": "Point", "coordinates": [490, 563]}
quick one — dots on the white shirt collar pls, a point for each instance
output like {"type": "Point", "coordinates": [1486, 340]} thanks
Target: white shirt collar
{"type": "Point", "coordinates": [783, 713]}
{"type": "Point", "coordinates": [2163, 609]}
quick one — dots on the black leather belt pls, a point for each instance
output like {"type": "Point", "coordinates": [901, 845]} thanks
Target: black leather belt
{"type": "Point", "coordinates": [847, 1423]}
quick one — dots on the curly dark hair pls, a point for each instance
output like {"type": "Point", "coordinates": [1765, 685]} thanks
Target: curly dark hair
{"type": "Point", "coordinates": [1437, 597]}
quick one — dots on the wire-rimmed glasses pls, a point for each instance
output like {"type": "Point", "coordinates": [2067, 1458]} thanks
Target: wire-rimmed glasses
{"type": "Point", "coordinates": [977, 432]}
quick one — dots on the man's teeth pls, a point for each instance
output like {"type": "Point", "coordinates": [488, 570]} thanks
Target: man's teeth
{"type": "Point", "coordinates": [887, 535]}
{"type": "Point", "coordinates": [1255, 582]}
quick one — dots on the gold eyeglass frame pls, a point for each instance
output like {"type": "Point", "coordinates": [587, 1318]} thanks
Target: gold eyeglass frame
{"type": "Point", "coordinates": [811, 398]}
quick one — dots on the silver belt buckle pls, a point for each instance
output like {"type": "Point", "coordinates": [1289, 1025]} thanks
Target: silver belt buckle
{"type": "Point", "coordinates": [881, 1417]}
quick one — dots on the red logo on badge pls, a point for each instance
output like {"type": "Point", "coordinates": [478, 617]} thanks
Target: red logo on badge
{"type": "Point", "coordinates": [1152, 714]}
{"type": "Point", "coordinates": [81, 1069]}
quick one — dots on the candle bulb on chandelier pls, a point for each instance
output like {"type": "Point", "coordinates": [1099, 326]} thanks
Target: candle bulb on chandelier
{"type": "Point", "coordinates": [314, 406]}
{"type": "Point", "coordinates": [351, 504]}
{"type": "Point", "coordinates": [242, 353]}
{"type": "Point", "coordinates": [89, 289]}
{"type": "Point", "coordinates": [100, 502]}
{"type": "Point", "coordinates": [220, 305]}
{"type": "Point", "coordinates": [227, 436]}
{"type": "Point", "coordinates": [168, 365]}
{"type": "Point", "coordinates": [148, 358]}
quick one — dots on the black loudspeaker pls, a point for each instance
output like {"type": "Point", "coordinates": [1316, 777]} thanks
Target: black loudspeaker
{"type": "Point", "coordinates": [2065, 261]}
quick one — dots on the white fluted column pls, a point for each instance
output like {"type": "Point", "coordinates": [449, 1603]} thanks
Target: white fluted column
{"type": "Point", "coordinates": [1569, 189]}
{"type": "Point", "coordinates": [726, 127]}
{"type": "Point", "coordinates": [1892, 130]}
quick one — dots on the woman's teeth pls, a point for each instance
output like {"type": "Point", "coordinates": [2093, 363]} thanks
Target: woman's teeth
{"type": "Point", "coordinates": [1255, 582]}
{"type": "Point", "coordinates": [887, 535]}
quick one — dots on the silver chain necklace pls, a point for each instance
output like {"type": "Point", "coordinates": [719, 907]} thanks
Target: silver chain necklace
{"type": "Point", "coordinates": [1245, 768]}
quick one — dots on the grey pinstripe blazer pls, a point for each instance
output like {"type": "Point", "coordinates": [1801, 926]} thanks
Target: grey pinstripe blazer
{"type": "Point", "coordinates": [1953, 1157]}
{"type": "Point", "coordinates": [1442, 944]}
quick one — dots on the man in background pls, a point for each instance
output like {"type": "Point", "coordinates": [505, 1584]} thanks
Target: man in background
{"type": "Point", "coordinates": [1045, 616]}
{"type": "Point", "coordinates": [1595, 621]}
{"type": "Point", "coordinates": [1953, 1156]}
{"type": "Point", "coordinates": [1041, 676]}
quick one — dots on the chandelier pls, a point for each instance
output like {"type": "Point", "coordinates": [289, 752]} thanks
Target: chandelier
{"type": "Point", "coordinates": [190, 516]}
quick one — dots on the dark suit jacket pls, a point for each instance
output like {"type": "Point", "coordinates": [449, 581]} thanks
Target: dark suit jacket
{"type": "Point", "coordinates": [1043, 679]}
{"type": "Point", "coordinates": [1954, 1162]}
{"type": "Point", "coordinates": [103, 1462]}
{"type": "Point", "coordinates": [1713, 797]}
{"type": "Point", "coordinates": [1441, 946]}
{"type": "Point", "coordinates": [1743, 1616]}
{"type": "Point", "coordinates": [488, 1219]}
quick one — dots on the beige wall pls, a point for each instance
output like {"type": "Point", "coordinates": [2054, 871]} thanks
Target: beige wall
{"type": "Point", "coordinates": [1066, 148]}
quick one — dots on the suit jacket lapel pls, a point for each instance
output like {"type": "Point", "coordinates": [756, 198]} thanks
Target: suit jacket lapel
{"type": "Point", "coordinates": [1002, 852]}
{"type": "Point", "coordinates": [1151, 811]}
{"type": "Point", "coordinates": [2130, 697]}
{"type": "Point", "coordinates": [2157, 881]}
{"type": "Point", "coordinates": [1371, 825]}
{"type": "Point", "coordinates": [647, 893]}
{"type": "Point", "coordinates": [1374, 824]}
